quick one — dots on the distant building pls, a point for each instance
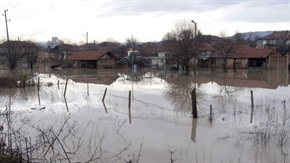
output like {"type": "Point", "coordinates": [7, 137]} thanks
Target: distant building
{"type": "Point", "coordinates": [91, 59]}
{"type": "Point", "coordinates": [54, 42]}
{"type": "Point", "coordinates": [245, 57]}
{"type": "Point", "coordinates": [162, 59]}
{"type": "Point", "coordinates": [274, 39]}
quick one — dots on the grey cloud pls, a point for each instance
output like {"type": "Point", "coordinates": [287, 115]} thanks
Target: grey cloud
{"type": "Point", "coordinates": [133, 7]}
{"type": "Point", "coordinates": [261, 11]}
{"type": "Point", "coordinates": [12, 5]}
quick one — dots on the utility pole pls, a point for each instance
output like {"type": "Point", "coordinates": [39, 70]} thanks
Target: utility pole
{"type": "Point", "coordinates": [132, 44]}
{"type": "Point", "coordinates": [6, 22]}
{"type": "Point", "coordinates": [87, 35]}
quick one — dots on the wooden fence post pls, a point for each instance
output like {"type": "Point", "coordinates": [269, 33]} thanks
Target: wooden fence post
{"type": "Point", "coordinates": [129, 106]}
{"type": "Point", "coordinates": [38, 82]}
{"type": "Point", "coordinates": [104, 95]}
{"type": "Point", "coordinates": [210, 110]}
{"type": "Point", "coordinates": [65, 87]}
{"type": "Point", "coordinates": [252, 106]}
{"type": "Point", "coordinates": [193, 99]}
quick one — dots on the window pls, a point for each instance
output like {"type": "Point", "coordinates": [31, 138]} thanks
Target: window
{"type": "Point", "coordinates": [51, 55]}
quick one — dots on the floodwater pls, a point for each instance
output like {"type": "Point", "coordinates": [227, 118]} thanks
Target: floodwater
{"type": "Point", "coordinates": [146, 116]}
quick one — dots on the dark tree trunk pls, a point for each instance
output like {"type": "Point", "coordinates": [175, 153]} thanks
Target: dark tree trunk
{"type": "Point", "coordinates": [225, 65]}
{"type": "Point", "coordinates": [234, 64]}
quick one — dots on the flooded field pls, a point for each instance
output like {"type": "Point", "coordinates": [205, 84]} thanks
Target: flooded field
{"type": "Point", "coordinates": [146, 116]}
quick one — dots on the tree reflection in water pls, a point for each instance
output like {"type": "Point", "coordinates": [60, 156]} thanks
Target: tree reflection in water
{"type": "Point", "coordinates": [227, 94]}
{"type": "Point", "coordinates": [179, 93]}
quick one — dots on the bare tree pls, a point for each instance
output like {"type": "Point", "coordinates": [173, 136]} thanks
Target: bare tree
{"type": "Point", "coordinates": [31, 54]}
{"type": "Point", "coordinates": [239, 38]}
{"type": "Point", "coordinates": [281, 43]}
{"type": "Point", "coordinates": [246, 38]}
{"type": "Point", "coordinates": [15, 51]}
{"type": "Point", "coordinates": [223, 48]}
{"type": "Point", "coordinates": [184, 43]}
{"type": "Point", "coordinates": [131, 42]}
{"type": "Point", "coordinates": [252, 39]}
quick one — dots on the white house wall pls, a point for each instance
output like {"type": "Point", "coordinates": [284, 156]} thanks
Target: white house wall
{"type": "Point", "coordinates": [157, 62]}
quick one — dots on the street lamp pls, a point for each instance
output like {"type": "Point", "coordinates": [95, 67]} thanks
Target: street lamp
{"type": "Point", "coordinates": [194, 26]}
{"type": "Point", "coordinates": [194, 39]}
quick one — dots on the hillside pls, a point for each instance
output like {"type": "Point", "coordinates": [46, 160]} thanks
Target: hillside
{"type": "Point", "coordinates": [255, 35]}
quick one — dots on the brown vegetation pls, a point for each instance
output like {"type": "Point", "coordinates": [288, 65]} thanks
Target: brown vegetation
{"type": "Point", "coordinates": [7, 82]}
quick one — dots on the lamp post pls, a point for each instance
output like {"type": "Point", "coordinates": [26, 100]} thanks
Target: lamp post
{"type": "Point", "coordinates": [195, 42]}
{"type": "Point", "coordinates": [194, 26]}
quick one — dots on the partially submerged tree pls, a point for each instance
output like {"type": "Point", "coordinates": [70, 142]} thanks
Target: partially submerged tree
{"type": "Point", "coordinates": [223, 48]}
{"type": "Point", "coordinates": [15, 51]}
{"type": "Point", "coordinates": [184, 44]}
{"type": "Point", "coordinates": [31, 54]}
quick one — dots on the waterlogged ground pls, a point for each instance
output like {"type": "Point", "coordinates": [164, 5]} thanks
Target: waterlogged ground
{"type": "Point", "coordinates": [90, 118]}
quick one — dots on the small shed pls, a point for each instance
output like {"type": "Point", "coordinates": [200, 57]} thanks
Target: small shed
{"type": "Point", "coordinates": [91, 59]}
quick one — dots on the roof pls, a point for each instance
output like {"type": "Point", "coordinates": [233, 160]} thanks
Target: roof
{"type": "Point", "coordinates": [205, 47]}
{"type": "Point", "coordinates": [88, 55]}
{"type": "Point", "coordinates": [163, 49]}
{"type": "Point", "coordinates": [244, 52]}
{"type": "Point", "coordinates": [13, 43]}
{"type": "Point", "coordinates": [276, 35]}
{"type": "Point", "coordinates": [67, 47]}
{"type": "Point", "coordinates": [209, 38]}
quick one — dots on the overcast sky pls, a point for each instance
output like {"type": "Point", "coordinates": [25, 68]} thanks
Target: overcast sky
{"type": "Point", "coordinates": [146, 20]}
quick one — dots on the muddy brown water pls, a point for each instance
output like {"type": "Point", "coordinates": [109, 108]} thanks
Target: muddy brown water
{"type": "Point", "coordinates": [158, 126]}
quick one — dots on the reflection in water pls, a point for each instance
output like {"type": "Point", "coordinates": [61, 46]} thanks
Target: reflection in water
{"type": "Point", "coordinates": [267, 139]}
{"type": "Point", "coordinates": [227, 94]}
{"type": "Point", "coordinates": [129, 107]}
{"type": "Point", "coordinates": [193, 129]}
{"type": "Point", "coordinates": [66, 103]}
{"type": "Point", "coordinates": [105, 107]}
{"type": "Point", "coordinates": [270, 137]}
{"type": "Point", "coordinates": [38, 95]}
{"type": "Point", "coordinates": [179, 93]}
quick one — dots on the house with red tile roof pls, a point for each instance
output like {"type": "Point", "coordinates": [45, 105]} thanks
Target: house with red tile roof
{"type": "Point", "coordinates": [246, 56]}
{"type": "Point", "coordinates": [91, 59]}
{"type": "Point", "coordinates": [49, 57]}
{"type": "Point", "coordinates": [274, 39]}
{"type": "Point", "coordinates": [205, 50]}
{"type": "Point", "coordinates": [160, 56]}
